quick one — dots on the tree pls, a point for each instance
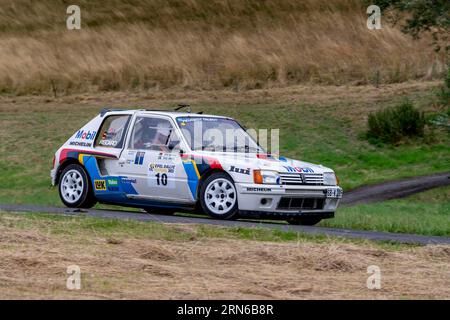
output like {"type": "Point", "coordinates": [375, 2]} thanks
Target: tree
{"type": "Point", "coordinates": [420, 16]}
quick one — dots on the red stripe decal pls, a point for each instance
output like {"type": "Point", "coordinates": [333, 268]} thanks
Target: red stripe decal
{"type": "Point", "coordinates": [64, 152]}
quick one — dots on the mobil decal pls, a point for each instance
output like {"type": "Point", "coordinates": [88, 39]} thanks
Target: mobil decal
{"type": "Point", "coordinates": [85, 135]}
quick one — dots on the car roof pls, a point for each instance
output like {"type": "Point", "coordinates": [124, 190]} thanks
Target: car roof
{"type": "Point", "coordinates": [172, 114]}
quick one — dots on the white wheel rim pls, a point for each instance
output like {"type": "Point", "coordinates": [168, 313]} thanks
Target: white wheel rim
{"type": "Point", "coordinates": [220, 196]}
{"type": "Point", "coordinates": [72, 186]}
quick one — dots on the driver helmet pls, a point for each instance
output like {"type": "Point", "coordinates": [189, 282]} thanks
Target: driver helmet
{"type": "Point", "coordinates": [163, 130]}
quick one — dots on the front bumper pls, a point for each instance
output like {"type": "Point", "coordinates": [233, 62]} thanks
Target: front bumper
{"type": "Point", "coordinates": [271, 200]}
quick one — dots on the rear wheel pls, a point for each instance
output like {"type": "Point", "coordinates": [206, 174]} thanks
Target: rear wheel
{"type": "Point", "coordinates": [75, 189]}
{"type": "Point", "coordinates": [218, 196]}
{"type": "Point", "coordinates": [304, 221]}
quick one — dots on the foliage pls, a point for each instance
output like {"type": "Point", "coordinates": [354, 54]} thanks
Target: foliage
{"type": "Point", "coordinates": [444, 94]}
{"type": "Point", "coordinates": [422, 16]}
{"type": "Point", "coordinates": [391, 125]}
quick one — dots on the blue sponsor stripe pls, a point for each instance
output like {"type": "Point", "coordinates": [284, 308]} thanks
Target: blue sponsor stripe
{"type": "Point", "coordinates": [192, 175]}
{"type": "Point", "coordinates": [90, 163]}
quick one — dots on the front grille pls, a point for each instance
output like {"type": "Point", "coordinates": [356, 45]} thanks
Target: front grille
{"type": "Point", "coordinates": [288, 203]}
{"type": "Point", "coordinates": [301, 178]}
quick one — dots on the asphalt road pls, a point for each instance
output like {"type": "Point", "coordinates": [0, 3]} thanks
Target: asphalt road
{"type": "Point", "coordinates": [379, 192]}
{"type": "Point", "coordinates": [395, 189]}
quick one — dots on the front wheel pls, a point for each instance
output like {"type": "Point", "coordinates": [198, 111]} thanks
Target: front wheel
{"type": "Point", "coordinates": [218, 196]}
{"type": "Point", "coordinates": [75, 189]}
{"type": "Point", "coordinates": [304, 221]}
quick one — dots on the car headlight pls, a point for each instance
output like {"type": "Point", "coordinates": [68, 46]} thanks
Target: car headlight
{"type": "Point", "coordinates": [266, 177]}
{"type": "Point", "coordinates": [329, 179]}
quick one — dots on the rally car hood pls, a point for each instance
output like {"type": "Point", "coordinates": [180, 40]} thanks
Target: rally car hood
{"type": "Point", "coordinates": [267, 162]}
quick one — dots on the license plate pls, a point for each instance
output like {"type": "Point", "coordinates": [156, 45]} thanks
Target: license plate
{"type": "Point", "coordinates": [334, 193]}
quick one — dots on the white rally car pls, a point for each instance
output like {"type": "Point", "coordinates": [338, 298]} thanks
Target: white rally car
{"type": "Point", "coordinates": [164, 162]}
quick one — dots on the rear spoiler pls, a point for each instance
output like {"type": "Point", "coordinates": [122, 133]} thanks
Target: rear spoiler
{"type": "Point", "coordinates": [106, 110]}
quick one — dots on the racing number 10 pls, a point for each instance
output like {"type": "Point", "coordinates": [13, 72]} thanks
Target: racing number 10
{"type": "Point", "coordinates": [161, 179]}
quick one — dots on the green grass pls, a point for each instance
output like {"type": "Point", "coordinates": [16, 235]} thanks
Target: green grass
{"type": "Point", "coordinates": [427, 213]}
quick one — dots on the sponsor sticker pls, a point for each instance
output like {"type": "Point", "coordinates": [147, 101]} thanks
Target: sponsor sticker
{"type": "Point", "coordinates": [259, 189]}
{"type": "Point", "coordinates": [166, 156]}
{"type": "Point", "coordinates": [100, 185]}
{"type": "Point", "coordinates": [195, 119]}
{"type": "Point", "coordinates": [128, 180]}
{"type": "Point", "coordinates": [112, 182]}
{"type": "Point", "coordinates": [240, 170]}
{"type": "Point", "coordinates": [108, 143]}
{"type": "Point", "coordinates": [161, 168]}
{"type": "Point", "coordinates": [139, 159]}
{"type": "Point", "coordinates": [85, 135]}
{"type": "Point", "coordinates": [80, 144]}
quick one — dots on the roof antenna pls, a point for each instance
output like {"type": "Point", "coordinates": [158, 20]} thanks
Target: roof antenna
{"type": "Point", "coordinates": [183, 105]}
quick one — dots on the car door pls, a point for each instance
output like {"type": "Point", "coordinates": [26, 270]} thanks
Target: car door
{"type": "Point", "coordinates": [151, 160]}
{"type": "Point", "coordinates": [108, 146]}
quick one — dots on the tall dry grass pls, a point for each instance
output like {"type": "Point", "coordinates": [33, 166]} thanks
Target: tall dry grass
{"type": "Point", "coordinates": [145, 44]}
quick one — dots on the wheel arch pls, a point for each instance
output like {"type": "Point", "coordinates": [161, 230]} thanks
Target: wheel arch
{"type": "Point", "coordinates": [65, 164]}
{"type": "Point", "coordinates": [205, 176]}
{"type": "Point", "coordinates": [89, 199]}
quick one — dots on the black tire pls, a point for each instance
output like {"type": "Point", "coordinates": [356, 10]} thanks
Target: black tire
{"type": "Point", "coordinates": [87, 198]}
{"type": "Point", "coordinates": [168, 212]}
{"type": "Point", "coordinates": [304, 221]}
{"type": "Point", "coordinates": [232, 212]}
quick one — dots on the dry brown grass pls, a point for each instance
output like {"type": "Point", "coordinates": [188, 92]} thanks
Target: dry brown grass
{"type": "Point", "coordinates": [33, 266]}
{"type": "Point", "coordinates": [202, 44]}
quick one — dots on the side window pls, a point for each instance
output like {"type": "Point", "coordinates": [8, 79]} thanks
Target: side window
{"type": "Point", "coordinates": [112, 132]}
{"type": "Point", "coordinates": [153, 134]}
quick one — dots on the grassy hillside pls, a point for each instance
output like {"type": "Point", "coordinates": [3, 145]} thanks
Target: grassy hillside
{"type": "Point", "coordinates": [137, 260]}
{"type": "Point", "coordinates": [144, 44]}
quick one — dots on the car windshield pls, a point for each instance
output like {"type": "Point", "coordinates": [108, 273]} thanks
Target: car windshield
{"type": "Point", "coordinates": [217, 134]}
